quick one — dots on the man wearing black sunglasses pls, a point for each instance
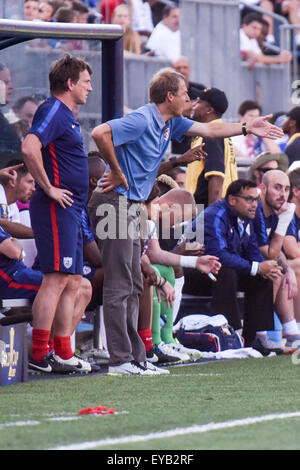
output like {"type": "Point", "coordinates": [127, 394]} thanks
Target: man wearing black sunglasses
{"type": "Point", "coordinates": [265, 162]}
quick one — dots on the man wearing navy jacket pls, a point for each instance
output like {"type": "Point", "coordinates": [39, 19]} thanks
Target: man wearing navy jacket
{"type": "Point", "coordinates": [229, 235]}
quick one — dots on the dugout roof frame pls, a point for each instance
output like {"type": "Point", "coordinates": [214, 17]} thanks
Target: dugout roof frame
{"type": "Point", "coordinates": [14, 32]}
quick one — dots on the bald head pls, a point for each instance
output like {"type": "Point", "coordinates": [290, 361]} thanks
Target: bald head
{"type": "Point", "coordinates": [275, 176]}
{"type": "Point", "coordinates": [275, 190]}
{"type": "Point", "coordinates": [179, 204]}
{"type": "Point", "coordinates": [182, 65]}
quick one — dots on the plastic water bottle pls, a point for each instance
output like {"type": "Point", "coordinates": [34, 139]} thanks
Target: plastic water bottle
{"type": "Point", "coordinates": [276, 334]}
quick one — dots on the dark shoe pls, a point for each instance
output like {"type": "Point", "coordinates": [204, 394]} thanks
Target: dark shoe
{"type": "Point", "coordinates": [156, 356]}
{"type": "Point", "coordinates": [42, 366]}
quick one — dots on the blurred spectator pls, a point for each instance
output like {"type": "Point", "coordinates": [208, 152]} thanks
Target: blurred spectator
{"type": "Point", "coordinates": [267, 161]}
{"type": "Point", "coordinates": [9, 140]}
{"type": "Point", "coordinates": [107, 7]}
{"type": "Point", "coordinates": [286, 8]}
{"type": "Point", "coordinates": [157, 7]}
{"type": "Point", "coordinates": [183, 66]}
{"type": "Point", "coordinates": [141, 18]}
{"type": "Point", "coordinates": [23, 109]}
{"type": "Point", "coordinates": [78, 13]}
{"type": "Point", "coordinates": [267, 47]}
{"type": "Point", "coordinates": [132, 41]}
{"type": "Point", "coordinates": [291, 127]}
{"type": "Point", "coordinates": [165, 40]}
{"type": "Point", "coordinates": [250, 146]}
{"type": "Point", "coordinates": [21, 114]}
{"type": "Point", "coordinates": [47, 10]}
{"type": "Point", "coordinates": [81, 12]}
{"type": "Point", "coordinates": [31, 9]}
{"type": "Point", "coordinates": [6, 88]}
{"type": "Point", "coordinates": [250, 31]}
{"type": "Point", "coordinates": [65, 15]}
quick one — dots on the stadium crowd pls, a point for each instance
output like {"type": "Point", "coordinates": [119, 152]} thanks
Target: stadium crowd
{"type": "Point", "coordinates": [131, 231]}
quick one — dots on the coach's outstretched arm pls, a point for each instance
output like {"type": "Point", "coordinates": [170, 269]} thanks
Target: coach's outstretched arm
{"type": "Point", "coordinates": [259, 127]}
{"type": "Point", "coordinates": [102, 136]}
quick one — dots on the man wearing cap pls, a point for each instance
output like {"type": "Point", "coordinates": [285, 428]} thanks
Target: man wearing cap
{"type": "Point", "coordinates": [209, 179]}
{"type": "Point", "coordinates": [291, 127]}
{"type": "Point", "coordinates": [267, 161]}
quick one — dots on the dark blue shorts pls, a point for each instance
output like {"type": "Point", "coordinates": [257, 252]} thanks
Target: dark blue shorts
{"type": "Point", "coordinates": [23, 283]}
{"type": "Point", "coordinates": [58, 235]}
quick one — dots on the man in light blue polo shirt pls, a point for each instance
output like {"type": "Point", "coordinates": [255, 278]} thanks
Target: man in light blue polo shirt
{"type": "Point", "coordinates": [133, 147]}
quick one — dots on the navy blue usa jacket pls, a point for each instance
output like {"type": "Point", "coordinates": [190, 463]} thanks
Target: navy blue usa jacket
{"type": "Point", "coordinates": [222, 238]}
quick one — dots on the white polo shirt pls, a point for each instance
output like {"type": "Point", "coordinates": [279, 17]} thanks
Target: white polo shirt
{"type": "Point", "coordinates": [165, 42]}
{"type": "Point", "coordinates": [247, 44]}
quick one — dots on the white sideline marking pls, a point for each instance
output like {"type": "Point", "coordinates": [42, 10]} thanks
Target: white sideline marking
{"type": "Point", "coordinates": [18, 423]}
{"type": "Point", "coordinates": [192, 375]}
{"type": "Point", "coordinates": [177, 432]}
{"type": "Point", "coordinates": [11, 424]}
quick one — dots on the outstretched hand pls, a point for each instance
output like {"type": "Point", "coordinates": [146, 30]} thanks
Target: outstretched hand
{"type": "Point", "coordinates": [262, 128]}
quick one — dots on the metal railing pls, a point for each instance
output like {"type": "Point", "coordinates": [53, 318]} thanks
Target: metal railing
{"type": "Point", "coordinates": [13, 32]}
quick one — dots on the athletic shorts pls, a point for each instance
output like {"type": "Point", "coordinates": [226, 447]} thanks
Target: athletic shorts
{"type": "Point", "coordinates": [23, 283]}
{"type": "Point", "coordinates": [58, 235]}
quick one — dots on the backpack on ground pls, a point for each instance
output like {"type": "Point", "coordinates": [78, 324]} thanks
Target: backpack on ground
{"type": "Point", "coordinates": [205, 333]}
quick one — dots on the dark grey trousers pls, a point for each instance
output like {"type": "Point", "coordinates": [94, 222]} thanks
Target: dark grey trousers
{"type": "Point", "coordinates": [112, 216]}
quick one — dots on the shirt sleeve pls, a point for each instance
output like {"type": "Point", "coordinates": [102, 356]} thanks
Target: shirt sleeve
{"type": "Point", "coordinates": [216, 232]}
{"type": "Point", "coordinates": [214, 162]}
{"type": "Point", "coordinates": [260, 228]}
{"type": "Point", "coordinates": [180, 126]}
{"type": "Point", "coordinates": [87, 230]}
{"type": "Point", "coordinates": [128, 129]}
{"type": "Point", "coordinates": [292, 229]}
{"type": "Point", "coordinates": [47, 123]}
{"type": "Point", "coordinates": [3, 235]}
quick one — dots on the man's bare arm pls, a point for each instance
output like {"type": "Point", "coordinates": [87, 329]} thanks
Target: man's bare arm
{"type": "Point", "coordinates": [16, 230]}
{"type": "Point", "coordinates": [259, 127]}
{"type": "Point", "coordinates": [102, 136]}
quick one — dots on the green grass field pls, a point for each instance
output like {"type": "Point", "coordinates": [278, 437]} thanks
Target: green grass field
{"type": "Point", "coordinates": [203, 406]}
